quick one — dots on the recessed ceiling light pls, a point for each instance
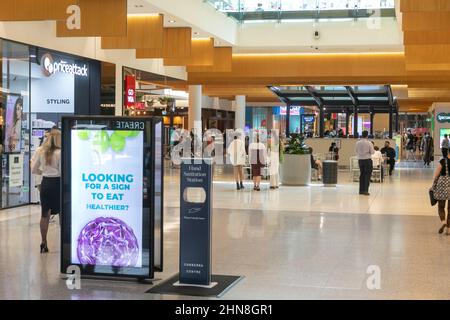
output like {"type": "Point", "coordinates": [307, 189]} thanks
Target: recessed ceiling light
{"type": "Point", "coordinates": [172, 21]}
{"type": "Point", "coordinates": [196, 33]}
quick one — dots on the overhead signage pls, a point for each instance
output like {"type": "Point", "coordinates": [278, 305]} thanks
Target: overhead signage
{"type": "Point", "coordinates": [295, 111]}
{"type": "Point", "coordinates": [130, 90]}
{"type": "Point", "coordinates": [50, 66]}
{"type": "Point", "coordinates": [443, 117]}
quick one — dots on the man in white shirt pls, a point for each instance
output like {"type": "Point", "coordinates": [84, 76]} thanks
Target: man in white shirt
{"type": "Point", "coordinates": [364, 150]}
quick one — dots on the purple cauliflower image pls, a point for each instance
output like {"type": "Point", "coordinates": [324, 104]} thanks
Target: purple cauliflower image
{"type": "Point", "coordinates": [108, 241]}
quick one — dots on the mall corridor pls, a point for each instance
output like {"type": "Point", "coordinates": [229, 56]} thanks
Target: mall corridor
{"type": "Point", "coordinates": [301, 242]}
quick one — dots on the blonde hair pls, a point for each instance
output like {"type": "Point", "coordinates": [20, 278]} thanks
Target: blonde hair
{"type": "Point", "coordinates": [51, 144]}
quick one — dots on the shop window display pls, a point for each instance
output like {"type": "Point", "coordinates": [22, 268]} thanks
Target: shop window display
{"type": "Point", "coordinates": [15, 101]}
{"type": "Point", "coordinates": [38, 86]}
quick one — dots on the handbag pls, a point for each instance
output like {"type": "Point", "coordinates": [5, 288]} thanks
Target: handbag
{"type": "Point", "coordinates": [433, 201]}
{"type": "Point", "coordinates": [442, 189]}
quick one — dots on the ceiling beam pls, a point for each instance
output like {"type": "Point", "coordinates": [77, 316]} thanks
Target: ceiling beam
{"type": "Point", "coordinates": [352, 96]}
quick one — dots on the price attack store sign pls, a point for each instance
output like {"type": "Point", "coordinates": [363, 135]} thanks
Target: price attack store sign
{"type": "Point", "coordinates": [109, 213]}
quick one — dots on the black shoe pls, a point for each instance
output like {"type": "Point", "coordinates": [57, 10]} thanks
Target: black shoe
{"type": "Point", "coordinates": [242, 185]}
{"type": "Point", "coordinates": [44, 248]}
{"type": "Point", "coordinates": [442, 229]}
{"type": "Point", "coordinates": [258, 189]}
{"type": "Point", "coordinates": [238, 187]}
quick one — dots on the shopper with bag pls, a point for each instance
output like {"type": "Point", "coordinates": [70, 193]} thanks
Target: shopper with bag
{"type": "Point", "coordinates": [441, 192]}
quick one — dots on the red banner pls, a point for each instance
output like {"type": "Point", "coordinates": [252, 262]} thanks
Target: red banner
{"type": "Point", "coordinates": [130, 91]}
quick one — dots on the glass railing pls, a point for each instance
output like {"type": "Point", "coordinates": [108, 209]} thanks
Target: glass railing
{"type": "Point", "coordinates": [304, 9]}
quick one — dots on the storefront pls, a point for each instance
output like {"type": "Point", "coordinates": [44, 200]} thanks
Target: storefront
{"type": "Point", "coordinates": [440, 125]}
{"type": "Point", "coordinates": [38, 87]}
{"type": "Point", "coordinates": [151, 94]}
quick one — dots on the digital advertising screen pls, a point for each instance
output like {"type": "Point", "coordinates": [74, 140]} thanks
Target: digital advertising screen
{"type": "Point", "coordinates": [112, 213]}
{"type": "Point", "coordinates": [107, 184]}
{"type": "Point", "coordinates": [13, 123]}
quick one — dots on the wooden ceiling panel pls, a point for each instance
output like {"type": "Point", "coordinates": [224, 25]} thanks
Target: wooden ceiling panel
{"type": "Point", "coordinates": [177, 43]}
{"type": "Point", "coordinates": [309, 69]}
{"type": "Point", "coordinates": [99, 18]}
{"type": "Point", "coordinates": [424, 5]}
{"type": "Point", "coordinates": [417, 21]}
{"type": "Point", "coordinates": [202, 54]}
{"type": "Point", "coordinates": [223, 57]}
{"type": "Point", "coordinates": [428, 57]}
{"type": "Point", "coordinates": [33, 10]}
{"type": "Point", "coordinates": [143, 32]}
{"type": "Point", "coordinates": [426, 37]}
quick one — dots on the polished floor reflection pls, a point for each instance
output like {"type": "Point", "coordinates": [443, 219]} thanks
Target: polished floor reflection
{"type": "Point", "coordinates": [293, 243]}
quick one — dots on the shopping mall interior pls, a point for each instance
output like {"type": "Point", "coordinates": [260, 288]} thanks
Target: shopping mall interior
{"type": "Point", "coordinates": [309, 76]}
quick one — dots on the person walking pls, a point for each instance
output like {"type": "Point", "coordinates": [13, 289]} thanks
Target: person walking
{"type": "Point", "coordinates": [390, 154]}
{"type": "Point", "coordinates": [364, 150]}
{"type": "Point", "coordinates": [48, 164]}
{"type": "Point", "coordinates": [441, 192]}
{"type": "Point", "coordinates": [258, 156]}
{"type": "Point", "coordinates": [236, 152]}
{"type": "Point", "coordinates": [445, 144]}
{"type": "Point", "coordinates": [427, 147]}
{"type": "Point", "coordinates": [410, 146]}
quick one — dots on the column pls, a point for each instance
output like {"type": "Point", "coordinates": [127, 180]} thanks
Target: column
{"type": "Point", "coordinates": [239, 117]}
{"type": "Point", "coordinates": [321, 122]}
{"type": "Point", "coordinates": [397, 123]}
{"type": "Point", "coordinates": [347, 122]}
{"type": "Point", "coordinates": [288, 120]}
{"type": "Point", "coordinates": [391, 118]}
{"type": "Point", "coordinates": [355, 124]}
{"type": "Point", "coordinates": [372, 117]}
{"type": "Point", "coordinates": [119, 91]}
{"type": "Point", "coordinates": [195, 108]}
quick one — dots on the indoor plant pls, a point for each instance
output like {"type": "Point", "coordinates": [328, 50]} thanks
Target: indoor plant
{"type": "Point", "coordinates": [296, 164]}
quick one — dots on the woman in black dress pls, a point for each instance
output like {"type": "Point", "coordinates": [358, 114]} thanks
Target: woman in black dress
{"type": "Point", "coordinates": [48, 164]}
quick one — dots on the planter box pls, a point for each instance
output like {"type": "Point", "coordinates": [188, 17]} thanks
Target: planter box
{"type": "Point", "coordinates": [296, 170]}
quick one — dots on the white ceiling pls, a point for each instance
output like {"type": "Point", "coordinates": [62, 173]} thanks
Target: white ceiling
{"type": "Point", "coordinates": [286, 37]}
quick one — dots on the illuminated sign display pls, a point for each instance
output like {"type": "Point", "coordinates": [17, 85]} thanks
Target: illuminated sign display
{"type": "Point", "coordinates": [130, 87]}
{"type": "Point", "coordinates": [50, 67]}
{"type": "Point", "coordinates": [295, 111]}
{"type": "Point", "coordinates": [443, 117]}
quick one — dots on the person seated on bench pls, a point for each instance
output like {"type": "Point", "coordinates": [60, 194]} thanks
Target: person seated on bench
{"type": "Point", "coordinates": [316, 164]}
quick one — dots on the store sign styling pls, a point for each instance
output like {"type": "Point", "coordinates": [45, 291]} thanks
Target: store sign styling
{"type": "Point", "coordinates": [443, 117]}
{"type": "Point", "coordinates": [50, 66]}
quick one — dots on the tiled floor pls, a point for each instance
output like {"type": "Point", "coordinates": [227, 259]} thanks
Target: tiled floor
{"type": "Point", "coordinates": [293, 243]}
